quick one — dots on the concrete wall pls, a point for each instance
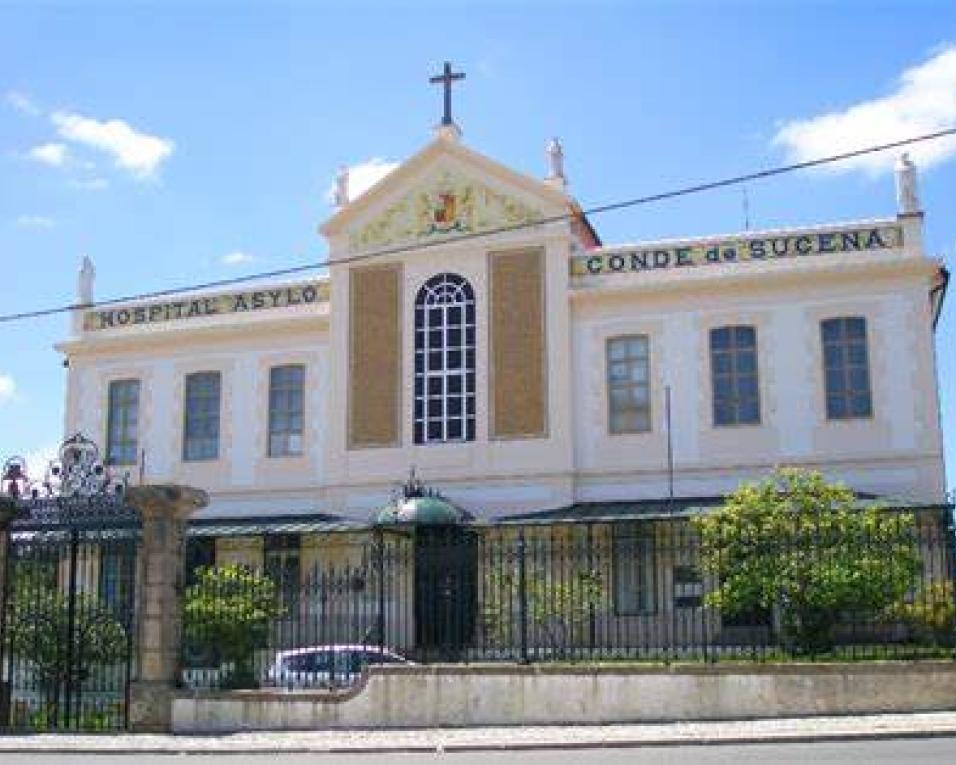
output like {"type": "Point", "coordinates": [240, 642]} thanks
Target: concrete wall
{"type": "Point", "coordinates": [398, 697]}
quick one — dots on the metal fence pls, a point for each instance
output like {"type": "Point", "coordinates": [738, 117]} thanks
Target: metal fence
{"type": "Point", "coordinates": [67, 620]}
{"type": "Point", "coordinates": [659, 589]}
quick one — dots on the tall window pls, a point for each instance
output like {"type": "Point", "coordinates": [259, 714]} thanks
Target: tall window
{"type": "Point", "coordinates": [286, 404]}
{"type": "Point", "coordinates": [282, 566]}
{"type": "Point", "coordinates": [628, 386]}
{"type": "Point", "coordinates": [445, 360]}
{"type": "Point", "coordinates": [116, 575]}
{"type": "Point", "coordinates": [122, 426]}
{"type": "Point", "coordinates": [733, 368]}
{"type": "Point", "coordinates": [634, 564]}
{"type": "Point", "coordinates": [201, 424]}
{"type": "Point", "coordinates": [846, 368]}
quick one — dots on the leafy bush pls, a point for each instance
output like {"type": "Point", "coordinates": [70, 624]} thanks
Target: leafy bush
{"type": "Point", "coordinates": [799, 546]}
{"type": "Point", "coordinates": [930, 615]}
{"type": "Point", "coordinates": [38, 626]}
{"type": "Point", "coordinates": [230, 608]}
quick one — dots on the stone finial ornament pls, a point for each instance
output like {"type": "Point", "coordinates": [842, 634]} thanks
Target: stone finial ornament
{"type": "Point", "coordinates": [448, 132]}
{"type": "Point", "coordinates": [907, 194]}
{"type": "Point", "coordinates": [342, 187]}
{"type": "Point", "coordinates": [84, 282]}
{"type": "Point", "coordinates": [555, 155]}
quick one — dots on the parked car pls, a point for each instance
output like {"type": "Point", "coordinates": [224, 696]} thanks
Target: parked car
{"type": "Point", "coordinates": [326, 666]}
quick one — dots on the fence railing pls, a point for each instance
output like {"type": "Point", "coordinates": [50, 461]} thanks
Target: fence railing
{"type": "Point", "coordinates": [67, 629]}
{"type": "Point", "coordinates": [647, 590]}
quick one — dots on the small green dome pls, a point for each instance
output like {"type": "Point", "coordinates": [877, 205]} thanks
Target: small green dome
{"type": "Point", "coordinates": [420, 511]}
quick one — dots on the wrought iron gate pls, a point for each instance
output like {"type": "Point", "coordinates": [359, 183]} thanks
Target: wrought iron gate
{"type": "Point", "coordinates": [67, 616]}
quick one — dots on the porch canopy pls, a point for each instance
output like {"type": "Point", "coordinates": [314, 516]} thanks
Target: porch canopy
{"type": "Point", "coordinates": [660, 509]}
{"type": "Point", "coordinates": [432, 510]}
{"type": "Point", "coordinates": [317, 523]}
{"type": "Point", "coordinates": [609, 512]}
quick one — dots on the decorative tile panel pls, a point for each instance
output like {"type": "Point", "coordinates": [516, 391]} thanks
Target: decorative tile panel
{"type": "Point", "coordinates": [449, 204]}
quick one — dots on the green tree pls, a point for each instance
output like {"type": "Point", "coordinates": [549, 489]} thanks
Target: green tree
{"type": "Point", "coordinates": [230, 609]}
{"type": "Point", "coordinates": [802, 547]}
{"type": "Point", "coordinates": [38, 632]}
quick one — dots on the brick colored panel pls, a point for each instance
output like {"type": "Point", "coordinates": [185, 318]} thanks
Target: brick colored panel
{"type": "Point", "coordinates": [375, 365]}
{"type": "Point", "coordinates": [519, 386]}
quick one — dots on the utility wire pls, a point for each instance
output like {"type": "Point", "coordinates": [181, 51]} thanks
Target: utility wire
{"type": "Point", "coordinates": [597, 210]}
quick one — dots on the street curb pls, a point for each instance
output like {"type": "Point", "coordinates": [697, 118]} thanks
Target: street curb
{"type": "Point", "coordinates": [491, 746]}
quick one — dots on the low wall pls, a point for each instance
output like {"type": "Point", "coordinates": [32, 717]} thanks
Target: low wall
{"type": "Point", "coordinates": [449, 696]}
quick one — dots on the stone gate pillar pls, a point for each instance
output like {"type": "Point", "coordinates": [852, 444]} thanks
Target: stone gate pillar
{"type": "Point", "coordinates": [164, 510]}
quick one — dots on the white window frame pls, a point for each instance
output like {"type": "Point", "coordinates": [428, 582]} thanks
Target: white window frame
{"type": "Point", "coordinates": [629, 385]}
{"type": "Point", "coordinates": [437, 383]}
{"type": "Point", "coordinates": [290, 439]}
{"type": "Point", "coordinates": [217, 417]}
{"type": "Point", "coordinates": [844, 344]}
{"type": "Point", "coordinates": [733, 351]}
{"type": "Point", "coordinates": [128, 425]}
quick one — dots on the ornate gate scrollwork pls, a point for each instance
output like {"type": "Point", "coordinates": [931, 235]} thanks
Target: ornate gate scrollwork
{"type": "Point", "coordinates": [68, 603]}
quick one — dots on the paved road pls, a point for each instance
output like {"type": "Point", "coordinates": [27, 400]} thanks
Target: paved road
{"type": "Point", "coordinates": [931, 750]}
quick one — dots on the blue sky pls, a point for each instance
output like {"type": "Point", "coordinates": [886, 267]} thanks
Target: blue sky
{"type": "Point", "coordinates": [186, 142]}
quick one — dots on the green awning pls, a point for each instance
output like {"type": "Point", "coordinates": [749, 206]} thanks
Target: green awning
{"type": "Point", "coordinates": [607, 512]}
{"type": "Point", "coordinates": [259, 526]}
{"type": "Point", "coordinates": [661, 509]}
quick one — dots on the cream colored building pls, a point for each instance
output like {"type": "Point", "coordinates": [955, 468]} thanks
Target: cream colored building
{"type": "Point", "coordinates": [472, 325]}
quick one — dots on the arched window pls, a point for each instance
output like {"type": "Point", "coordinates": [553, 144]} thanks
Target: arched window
{"type": "Point", "coordinates": [445, 360]}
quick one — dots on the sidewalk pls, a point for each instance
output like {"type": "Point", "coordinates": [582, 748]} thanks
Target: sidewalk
{"type": "Point", "coordinates": [472, 739]}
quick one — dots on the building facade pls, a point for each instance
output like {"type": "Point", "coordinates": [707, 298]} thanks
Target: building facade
{"type": "Point", "coordinates": [472, 328]}
{"type": "Point", "coordinates": [472, 325]}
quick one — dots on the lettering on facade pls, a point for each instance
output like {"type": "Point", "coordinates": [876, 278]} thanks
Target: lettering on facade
{"type": "Point", "coordinates": [236, 302]}
{"type": "Point", "coordinates": [740, 249]}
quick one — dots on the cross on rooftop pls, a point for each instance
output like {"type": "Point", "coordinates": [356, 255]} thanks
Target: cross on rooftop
{"type": "Point", "coordinates": [447, 77]}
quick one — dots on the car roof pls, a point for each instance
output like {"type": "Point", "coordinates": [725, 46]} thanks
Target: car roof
{"type": "Point", "coordinates": [336, 648]}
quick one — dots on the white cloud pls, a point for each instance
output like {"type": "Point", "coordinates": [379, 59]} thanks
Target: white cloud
{"type": "Point", "coordinates": [90, 184]}
{"type": "Point", "coordinates": [924, 101]}
{"type": "Point", "coordinates": [236, 258]}
{"type": "Point", "coordinates": [363, 176]}
{"type": "Point", "coordinates": [139, 153]}
{"type": "Point", "coordinates": [53, 154]}
{"type": "Point", "coordinates": [36, 221]}
{"type": "Point", "coordinates": [20, 102]}
{"type": "Point", "coordinates": [8, 389]}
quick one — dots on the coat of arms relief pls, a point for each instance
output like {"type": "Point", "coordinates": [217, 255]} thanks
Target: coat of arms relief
{"type": "Point", "coordinates": [448, 204]}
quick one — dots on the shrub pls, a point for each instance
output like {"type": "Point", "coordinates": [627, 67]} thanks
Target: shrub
{"type": "Point", "coordinates": [230, 609]}
{"type": "Point", "coordinates": [801, 547]}
{"type": "Point", "coordinates": [931, 614]}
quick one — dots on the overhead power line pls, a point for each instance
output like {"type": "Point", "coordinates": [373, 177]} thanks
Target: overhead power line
{"type": "Point", "coordinates": [597, 210]}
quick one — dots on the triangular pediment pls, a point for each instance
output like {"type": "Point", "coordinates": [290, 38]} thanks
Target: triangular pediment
{"type": "Point", "coordinates": [444, 191]}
